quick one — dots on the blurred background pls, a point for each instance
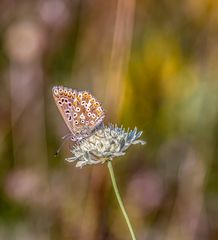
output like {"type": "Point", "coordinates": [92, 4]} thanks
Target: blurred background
{"type": "Point", "coordinates": [152, 64]}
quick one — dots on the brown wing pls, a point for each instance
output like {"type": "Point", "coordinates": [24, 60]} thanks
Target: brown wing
{"type": "Point", "coordinates": [80, 110]}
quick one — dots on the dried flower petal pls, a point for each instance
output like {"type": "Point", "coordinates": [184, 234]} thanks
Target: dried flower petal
{"type": "Point", "coordinates": [103, 145]}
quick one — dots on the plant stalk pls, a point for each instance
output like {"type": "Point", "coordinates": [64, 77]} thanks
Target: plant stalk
{"type": "Point", "coordinates": [110, 167]}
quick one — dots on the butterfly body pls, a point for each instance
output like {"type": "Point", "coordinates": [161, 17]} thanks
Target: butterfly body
{"type": "Point", "coordinates": [81, 111]}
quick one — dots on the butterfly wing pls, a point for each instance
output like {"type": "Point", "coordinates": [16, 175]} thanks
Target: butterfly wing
{"type": "Point", "coordinates": [81, 111]}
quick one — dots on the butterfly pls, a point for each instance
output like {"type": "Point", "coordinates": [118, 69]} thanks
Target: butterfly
{"type": "Point", "coordinates": [80, 110]}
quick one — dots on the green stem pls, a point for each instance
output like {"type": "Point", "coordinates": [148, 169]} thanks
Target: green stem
{"type": "Point", "coordinates": [110, 167]}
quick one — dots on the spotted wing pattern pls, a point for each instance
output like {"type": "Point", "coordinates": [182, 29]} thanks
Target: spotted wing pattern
{"type": "Point", "coordinates": [80, 110]}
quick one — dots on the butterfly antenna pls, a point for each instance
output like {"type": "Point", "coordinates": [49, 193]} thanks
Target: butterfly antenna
{"type": "Point", "coordinates": [57, 152]}
{"type": "Point", "coordinates": [66, 137]}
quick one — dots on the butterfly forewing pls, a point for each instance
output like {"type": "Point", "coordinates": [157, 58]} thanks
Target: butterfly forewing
{"type": "Point", "coordinates": [80, 110]}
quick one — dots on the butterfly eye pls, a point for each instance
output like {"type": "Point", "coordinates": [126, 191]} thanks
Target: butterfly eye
{"type": "Point", "coordinates": [77, 109]}
{"type": "Point", "coordinates": [93, 115]}
{"type": "Point", "coordinates": [82, 121]}
{"type": "Point", "coordinates": [73, 139]}
{"type": "Point", "coordinates": [76, 122]}
{"type": "Point", "coordinates": [59, 102]}
{"type": "Point", "coordinates": [80, 95]}
{"type": "Point", "coordinates": [65, 92]}
{"type": "Point", "coordinates": [89, 114]}
{"type": "Point", "coordinates": [67, 111]}
{"type": "Point", "coordinates": [69, 104]}
{"type": "Point", "coordinates": [83, 103]}
{"type": "Point", "coordinates": [70, 118]}
{"type": "Point", "coordinates": [88, 109]}
{"type": "Point", "coordinates": [75, 115]}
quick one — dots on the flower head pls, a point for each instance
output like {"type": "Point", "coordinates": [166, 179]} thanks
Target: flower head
{"type": "Point", "coordinates": [103, 145]}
